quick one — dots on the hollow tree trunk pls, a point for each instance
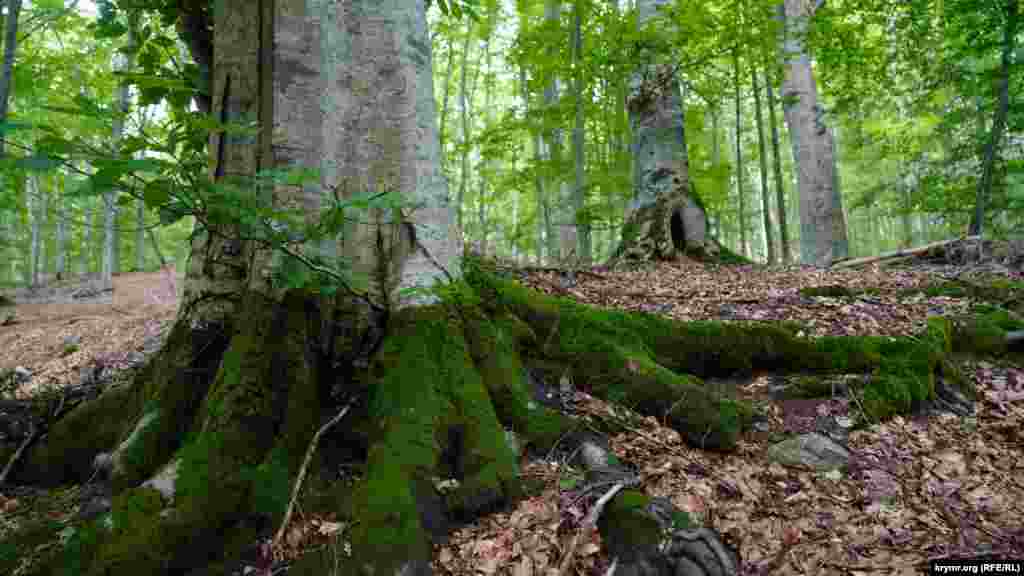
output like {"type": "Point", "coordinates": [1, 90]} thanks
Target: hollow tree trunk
{"type": "Point", "coordinates": [665, 220]}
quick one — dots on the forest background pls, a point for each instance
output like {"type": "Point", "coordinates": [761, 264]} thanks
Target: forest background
{"type": "Point", "coordinates": [103, 142]}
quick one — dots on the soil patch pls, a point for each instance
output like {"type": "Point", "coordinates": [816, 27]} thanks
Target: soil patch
{"type": "Point", "coordinates": [56, 336]}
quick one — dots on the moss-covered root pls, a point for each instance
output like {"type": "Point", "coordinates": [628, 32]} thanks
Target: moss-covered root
{"type": "Point", "coordinates": [494, 346]}
{"type": "Point", "coordinates": [651, 536]}
{"type": "Point", "coordinates": [158, 406]}
{"type": "Point", "coordinates": [434, 418]}
{"type": "Point", "coordinates": [247, 442]}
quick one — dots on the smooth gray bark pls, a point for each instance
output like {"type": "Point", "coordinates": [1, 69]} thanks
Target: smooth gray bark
{"type": "Point", "coordinates": [740, 193]}
{"type": "Point", "coordinates": [37, 210]}
{"type": "Point", "coordinates": [60, 267]}
{"type": "Point", "coordinates": [822, 223]}
{"type": "Point", "coordinates": [87, 215]}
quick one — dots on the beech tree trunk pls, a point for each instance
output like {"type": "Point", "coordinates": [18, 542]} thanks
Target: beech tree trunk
{"type": "Point", "coordinates": [822, 223]}
{"type": "Point", "coordinates": [61, 249]}
{"type": "Point", "coordinates": [741, 193]}
{"type": "Point", "coordinates": [666, 220]}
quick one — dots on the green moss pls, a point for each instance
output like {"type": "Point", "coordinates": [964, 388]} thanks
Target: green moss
{"type": "Point", "coordinates": [655, 364]}
{"type": "Point", "coordinates": [626, 527]}
{"type": "Point", "coordinates": [134, 538]}
{"type": "Point", "coordinates": [75, 440]}
{"type": "Point", "coordinates": [271, 484]}
{"type": "Point", "coordinates": [425, 387]}
{"type": "Point", "coordinates": [172, 387]}
{"type": "Point", "coordinates": [985, 334]}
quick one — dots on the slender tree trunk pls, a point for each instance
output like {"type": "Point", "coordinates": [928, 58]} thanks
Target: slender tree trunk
{"type": "Point", "coordinates": [740, 195]}
{"type": "Point", "coordinates": [43, 188]}
{"type": "Point", "coordinates": [33, 199]}
{"type": "Point", "coordinates": [560, 242]}
{"type": "Point", "coordinates": [463, 127]}
{"type": "Point", "coordinates": [140, 235]}
{"type": "Point", "coordinates": [482, 180]}
{"type": "Point", "coordinates": [780, 190]}
{"type": "Point", "coordinates": [538, 156]}
{"type": "Point", "coordinates": [99, 227]}
{"type": "Point", "coordinates": [111, 238]}
{"type": "Point", "coordinates": [58, 197]}
{"type": "Point", "coordinates": [442, 123]}
{"type": "Point", "coordinates": [716, 162]}
{"type": "Point", "coordinates": [83, 257]}
{"type": "Point", "coordinates": [998, 121]}
{"type": "Point", "coordinates": [769, 238]}
{"type": "Point", "coordinates": [822, 224]}
{"type": "Point", "coordinates": [620, 134]}
{"type": "Point", "coordinates": [580, 220]}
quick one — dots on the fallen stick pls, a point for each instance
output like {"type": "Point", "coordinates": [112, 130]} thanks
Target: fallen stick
{"type": "Point", "coordinates": [900, 253]}
{"type": "Point", "coordinates": [589, 523]}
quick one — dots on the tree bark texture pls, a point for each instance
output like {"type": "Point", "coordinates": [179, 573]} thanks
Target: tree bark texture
{"type": "Point", "coordinates": [822, 223]}
{"type": "Point", "coordinates": [666, 220]}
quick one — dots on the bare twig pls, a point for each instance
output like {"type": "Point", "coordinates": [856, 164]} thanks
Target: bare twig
{"type": "Point", "coordinates": [588, 524]}
{"type": "Point", "coordinates": [302, 471]}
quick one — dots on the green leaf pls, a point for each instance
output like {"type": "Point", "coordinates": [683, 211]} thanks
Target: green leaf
{"type": "Point", "coordinates": [157, 193]}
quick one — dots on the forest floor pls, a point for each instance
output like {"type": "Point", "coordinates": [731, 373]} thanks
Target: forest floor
{"type": "Point", "coordinates": [932, 485]}
{"type": "Point", "coordinates": [56, 336]}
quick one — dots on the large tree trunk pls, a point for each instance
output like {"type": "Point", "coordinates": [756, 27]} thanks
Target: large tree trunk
{"type": "Point", "coordinates": [822, 224]}
{"type": "Point", "coordinates": [666, 220]}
